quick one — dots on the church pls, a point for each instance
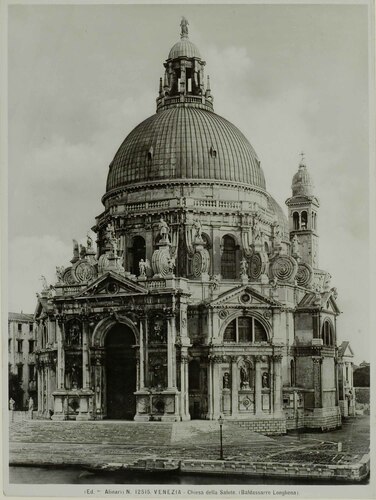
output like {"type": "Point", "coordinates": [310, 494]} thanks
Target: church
{"type": "Point", "coordinates": [199, 298]}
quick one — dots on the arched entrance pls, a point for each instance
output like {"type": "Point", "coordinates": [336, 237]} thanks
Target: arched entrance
{"type": "Point", "coordinates": [120, 372]}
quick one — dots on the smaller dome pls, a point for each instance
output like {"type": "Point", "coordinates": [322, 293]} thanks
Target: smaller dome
{"type": "Point", "coordinates": [302, 184]}
{"type": "Point", "coordinates": [184, 48]}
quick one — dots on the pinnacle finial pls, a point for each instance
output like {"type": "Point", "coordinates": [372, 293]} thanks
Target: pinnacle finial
{"type": "Point", "coordinates": [184, 27]}
{"type": "Point", "coordinates": [302, 161]}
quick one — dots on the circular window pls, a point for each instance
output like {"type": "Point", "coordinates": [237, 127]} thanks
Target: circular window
{"type": "Point", "coordinates": [245, 298]}
{"type": "Point", "coordinates": [112, 288]}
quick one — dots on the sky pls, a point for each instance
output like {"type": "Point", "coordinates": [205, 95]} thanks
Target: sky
{"type": "Point", "coordinates": [292, 78]}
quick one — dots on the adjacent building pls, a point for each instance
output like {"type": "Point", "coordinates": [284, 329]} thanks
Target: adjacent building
{"type": "Point", "coordinates": [21, 358]}
{"type": "Point", "coordinates": [200, 297]}
{"type": "Point", "coordinates": [346, 380]}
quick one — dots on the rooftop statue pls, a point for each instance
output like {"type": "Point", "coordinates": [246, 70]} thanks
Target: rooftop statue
{"type": "Point", "coordinates": [184, 27]}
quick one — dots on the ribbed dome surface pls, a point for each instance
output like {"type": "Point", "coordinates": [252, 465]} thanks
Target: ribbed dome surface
{"type": "Point", "coordinates": [185, 143]}
{"type": "Point", "coordinates": [184, 48]}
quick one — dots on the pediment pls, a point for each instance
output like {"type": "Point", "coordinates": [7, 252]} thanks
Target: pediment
{"type": "Point", "coordinates": [110, 284]}
{"type": "Point", "coordinates": [235, 296]}
{"type": "Point", "coordinates": [331, 305]}
{"type": "Point", "coordinates": [324, 300]}
{"type": "Point", "coordinates": [345, 350]}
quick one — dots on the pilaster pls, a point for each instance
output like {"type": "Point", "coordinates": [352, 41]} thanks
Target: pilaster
{"type": "Point", "coordinates": [258, 404]}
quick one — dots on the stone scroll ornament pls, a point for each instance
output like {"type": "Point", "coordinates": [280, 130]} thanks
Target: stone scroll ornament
{"type": "Point", "coordinates": [257, 265]}
{"type": "Point", "coordinates": [103, 263]}
{"type": "Point", "coordinates": [284, 268]}
{"type": "Point", "coordinates": [305, 274]}
{"type": "Point", "coordinates": [161, 261]}
{"type": "Point", "coordinates": [83, 271]}
{"type": "Point", "coordinates": [68, 277]}
{"type": "Point", "coordinates": [200, 262]}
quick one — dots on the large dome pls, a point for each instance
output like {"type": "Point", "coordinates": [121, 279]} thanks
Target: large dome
{"type": "Point", "coordinates": [185, 143]}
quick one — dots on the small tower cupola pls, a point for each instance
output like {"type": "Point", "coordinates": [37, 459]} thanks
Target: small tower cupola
{"type": "Point", "coordinates": [184, 77]}
{"type": "Point", "coordinates": [303, 207]}
{"type": "Point", "coordinates": [302, 184]}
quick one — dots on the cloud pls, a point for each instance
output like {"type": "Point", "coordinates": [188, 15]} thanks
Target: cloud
{"type": "Point", "coordinates": [29, 258]}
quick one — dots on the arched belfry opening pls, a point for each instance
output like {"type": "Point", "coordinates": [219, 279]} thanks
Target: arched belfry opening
{"type": "Point", "coordinates": [120, 372]}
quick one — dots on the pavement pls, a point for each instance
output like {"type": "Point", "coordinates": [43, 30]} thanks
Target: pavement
{"type": "Point", "coordinates": [95, 444]}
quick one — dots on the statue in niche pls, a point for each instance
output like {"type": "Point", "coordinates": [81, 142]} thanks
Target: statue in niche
{"type": "Point", "coordinates": [198, 229]}
{"type": "Point", "coordinates": [244, 378]}
{"type": "Point", "coordinates": [143, 266]}
{"type": "Point", "coordinates": [89, 242]}
{"type": "Point", "coordinates": [277, 236]}
{"type": "Point", "coordinates": [163, 230]}
{"type": "Point", "coordinates": [74, 331]}
{"type": "Point", "coordinates": [265, 380]}
{"type": "Point", "coordinates": [158, 332]}
{"type": "Point", "coordinates": [74, 376]}
{"type": "Point", "coordinates": [295, 246]}
{"type": "Point", "coordinates": [256, 231]}
{"type": "Point", "coordinates": [111, 238]}
{"type": "Point", "coordinates": [76, 254]}
{"type": "Point", "coordinates": [82, 251]}
{"type": "Point", "coordinates": [226, 380]}
{"type": "Point", "coordinates": [243, 267]}
{"type": "Point", "coordinates": [158, 375]}
{"type": "Point", "coordinates": [171, 264]}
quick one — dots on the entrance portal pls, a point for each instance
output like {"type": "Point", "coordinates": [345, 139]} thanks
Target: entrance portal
{"type": "Point", "coordinates": [120, 373]}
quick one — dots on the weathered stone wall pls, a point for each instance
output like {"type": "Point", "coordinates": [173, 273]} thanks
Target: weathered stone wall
{"type": "Point", "coordinates": [267, 426]}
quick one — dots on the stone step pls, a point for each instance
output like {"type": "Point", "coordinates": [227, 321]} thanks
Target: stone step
{"type": "Point", "coordinates": [206, 432]}
{"type": "Point", "coordinates": [158, 433]}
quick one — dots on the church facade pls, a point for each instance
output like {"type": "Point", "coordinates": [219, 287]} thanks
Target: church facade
{"type": "Point", "coordinates": [200, 297]}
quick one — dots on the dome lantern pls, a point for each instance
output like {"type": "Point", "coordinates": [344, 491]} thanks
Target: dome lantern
{"type": "Point", "coordinates": [184, 75]}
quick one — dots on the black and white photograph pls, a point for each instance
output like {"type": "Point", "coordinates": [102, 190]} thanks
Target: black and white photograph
{"type": "Point", "coordinates": [188, 249]}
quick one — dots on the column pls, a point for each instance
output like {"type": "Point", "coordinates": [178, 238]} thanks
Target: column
{"type": "Point", "coordinates": [171, 335]}
{"type": "Point", "coordinates": [85, 356]}
{"type": "Point", "coordinates": [141, 379]}
{"type": "Point", "coordinates": [217, 380]}
{"type": "Point", "coordinates": [277, 367]}
{"type": "Point", "coordinates": [186, 395]}
{"type": "Point", "coordinates": [48, 395]}
{"type": "Point", "coordinates": [184, 386]}
{"type": "Point", "coordinates": [258, 407]}
{"type": "Point", "coordinates": [336, 381]}
{"type": "Point", "coordinates": [210, 388]}
{"type": "Point", "coordinates": [98, 382]}
{"type": "Point", "coordinates": [40, 396]}
{"type": "Point", "coordinates": [234, 386]}
{"type": "Point", "coordinates": [317, 381]}
{"type": "Point", "coordinates": [59, 371]}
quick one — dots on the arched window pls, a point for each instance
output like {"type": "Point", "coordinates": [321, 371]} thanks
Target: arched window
{"type": "Point", "coordinates": [138, 252]}
{"type": "Point", "coordinates": [327, 333]}
{"type": "Point", "coordinates": [245, 329]}
{"type": "Point", "coordinates": [295, 219]}
{"type": "Point", "coordinates": [304, 220]}
{"type": "Point", "coordinates": [228, 259]}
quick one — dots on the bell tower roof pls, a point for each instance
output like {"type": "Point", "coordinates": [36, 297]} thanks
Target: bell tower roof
{"type": "Point", "coordinates": [302, 184]}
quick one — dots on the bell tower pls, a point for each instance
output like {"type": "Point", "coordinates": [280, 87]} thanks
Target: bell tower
{"type": "Point", "coordinates": [303, 208]}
